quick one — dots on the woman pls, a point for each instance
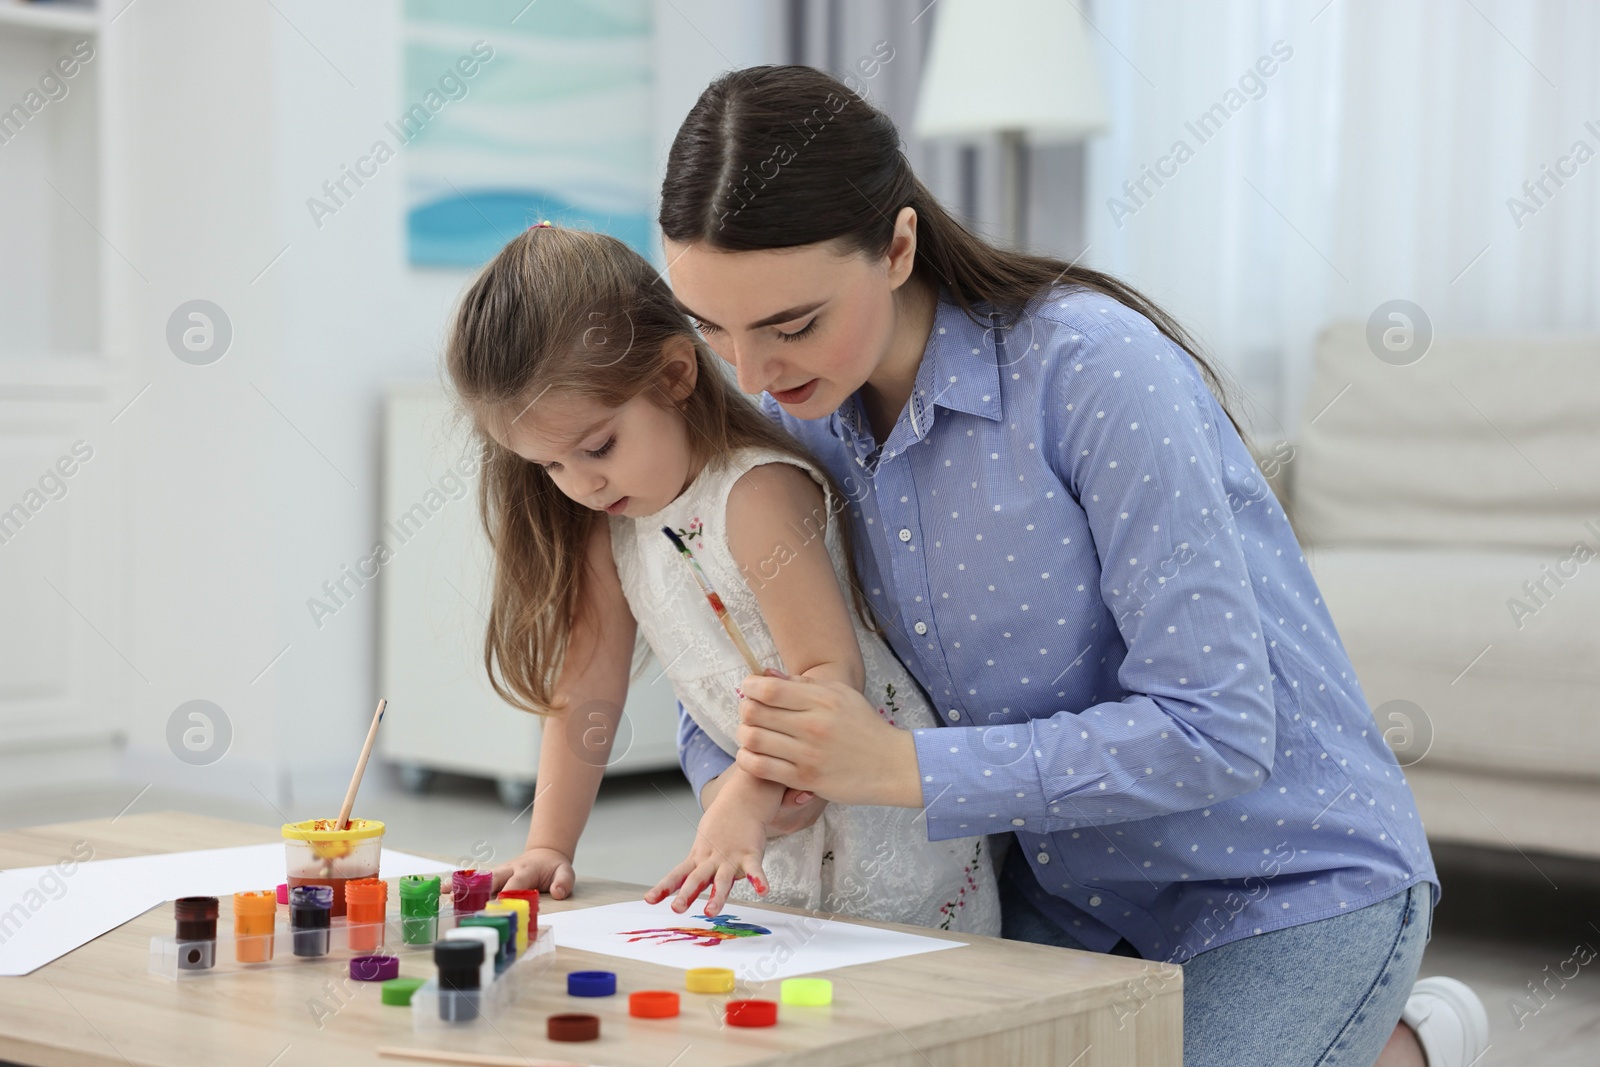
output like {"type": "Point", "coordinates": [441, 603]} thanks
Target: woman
{"type": "Point", "coordinates": [1074, 553]}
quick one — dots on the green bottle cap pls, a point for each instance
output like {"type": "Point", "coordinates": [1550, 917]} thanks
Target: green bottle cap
{"type": "Point", "coordinates": [399, 990]}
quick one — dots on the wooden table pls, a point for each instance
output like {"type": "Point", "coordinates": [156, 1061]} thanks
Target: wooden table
{"type": "Point", "coordinates": [993, 1002]}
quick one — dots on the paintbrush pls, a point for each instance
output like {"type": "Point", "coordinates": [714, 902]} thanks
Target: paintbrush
{"type": "Point", "coordinates": [716, 602]}
{"type": "Point", "coordinates": [343, 822]}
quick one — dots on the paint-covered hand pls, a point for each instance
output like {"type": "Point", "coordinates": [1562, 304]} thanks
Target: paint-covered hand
{"type": "Point", "coordinates": [543, 869]}
{"type": "Point", "coordinates": [728, 845]}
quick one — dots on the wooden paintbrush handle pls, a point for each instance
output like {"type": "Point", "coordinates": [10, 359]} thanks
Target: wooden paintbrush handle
{"type": "Point", "coordinates": [361, 767]}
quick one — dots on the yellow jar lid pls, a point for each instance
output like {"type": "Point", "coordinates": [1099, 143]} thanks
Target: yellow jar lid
{"type": "Point", "coordinates": [811, 992]}
{"type": "Point", "coordinates": [330, 844]}
{"type": "Point", "coordinates": [708, 980]}
{"type": "Point", "coordinates": [322, 830]}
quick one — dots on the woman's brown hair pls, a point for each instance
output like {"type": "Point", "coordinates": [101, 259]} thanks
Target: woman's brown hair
{"type": "Point", "coordinates": [563, 313]}
{"type": "Point", "coordinates": [781, 156]}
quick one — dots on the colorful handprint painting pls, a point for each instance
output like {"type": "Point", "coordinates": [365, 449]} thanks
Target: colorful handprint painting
{"type": "Point", "coordinates": [757, 944]}
{"type": "Point", "coordinates": [724, 927]}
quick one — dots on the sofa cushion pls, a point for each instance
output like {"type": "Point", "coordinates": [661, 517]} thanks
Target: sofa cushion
{"type": "Point", "coordinates": [1503, 687]}
{"type": "Point", "coordinates": [1481, 442]}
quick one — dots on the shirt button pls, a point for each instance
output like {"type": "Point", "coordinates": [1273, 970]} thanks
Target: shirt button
{"type": "Point", "coordinates": [1043, 857]}
{"type": "Point", "coordinates": [1019, 822]}
{"type": "Point", "coordinates": [1094, 902]}
{"type": "Point", "coordinates": [905, 534]}
{"type": "Point", "coordinates": [921, 628]}
{"type": "Point", "coordinates": [954, 715]}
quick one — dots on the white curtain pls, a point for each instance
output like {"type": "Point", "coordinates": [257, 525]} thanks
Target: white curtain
{"type": "Point", "coordinates": [1378, 161]}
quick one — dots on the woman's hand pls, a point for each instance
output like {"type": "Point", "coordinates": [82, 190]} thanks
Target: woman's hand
{"type": "Point", "coordinates": [823, 736]}
{"type": "Point", "coordinates": [543, 869]}
{"type": "Point", "coordinates": [728, 845]}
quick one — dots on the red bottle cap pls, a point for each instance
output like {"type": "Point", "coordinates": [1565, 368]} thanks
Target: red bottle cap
{"type": "Point", "coordinates": [752, 1012]}
{"type": "Point", "coordinates": [283, 892]}
{"type": "Point", "coordinates": [572, 1027]}
{"type": "Point", "coordinates": [530, 895]}
{"type": "Point", "coordinates": [653, 1004]}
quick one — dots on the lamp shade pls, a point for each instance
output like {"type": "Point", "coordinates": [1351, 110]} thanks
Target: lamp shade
{"type": "Point", "coordinates": [1010, 65]}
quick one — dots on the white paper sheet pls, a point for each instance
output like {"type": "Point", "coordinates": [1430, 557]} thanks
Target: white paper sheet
{"type": "Point", "coordinates": [46, 912]}
{"type": "Point", "coordinates": [793, 944]}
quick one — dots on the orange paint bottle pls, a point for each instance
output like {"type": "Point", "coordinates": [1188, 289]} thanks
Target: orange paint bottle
{"type": "Point", "coordinates": [255, 917]}
{"type": "Point", "coordinates": [366, 908]}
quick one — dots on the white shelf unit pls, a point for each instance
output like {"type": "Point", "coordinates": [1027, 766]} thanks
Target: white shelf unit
{"type": "Point", "coordinates": [51, 167]}
{"type": "Point", "coordinates": [442, 713]}
{"type": "Point", "coordinates": [50, 16]}
{"type": "Point", "coordinates": [56, 382]}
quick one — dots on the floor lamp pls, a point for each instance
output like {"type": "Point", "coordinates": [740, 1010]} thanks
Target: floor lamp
{"type": "Point", "coordinates": [1022, 69]}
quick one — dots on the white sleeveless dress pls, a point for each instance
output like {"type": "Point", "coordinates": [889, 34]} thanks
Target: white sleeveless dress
{"type": "Point", "coordinates": [863, 861]}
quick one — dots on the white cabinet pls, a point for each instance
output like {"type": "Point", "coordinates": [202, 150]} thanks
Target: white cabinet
{"type": "Point", "coordinates": [61, 645]}
{"type": "Point", "coordinates": [442, 713]}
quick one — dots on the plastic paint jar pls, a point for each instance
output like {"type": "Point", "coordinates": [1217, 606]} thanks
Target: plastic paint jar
{"type": "Point", "coordinates": [317, 854]}
{"type": "Point", "coordinates": [524, 924]}
{"type": "Point", "coordinates": [310, 908]}
{"type": "Point", "coordinates": [196, 933]}
{"type": "Point", "coordinates": [255, 919]}
{"type": "Point", "coordinates": [365, 909]}
{"type": "Point", "coordinates": [419, 909]}
{"type": "Point", "coordinates": [459, 962]}
{"type": "Point", "coordinates": [532, 897]}
{"type": "Point", "coordinates": [501, 925]}
{"type": "Point", "coordinates": [486, 936]}
{"type": "Point", "coordinates": [469, 889]}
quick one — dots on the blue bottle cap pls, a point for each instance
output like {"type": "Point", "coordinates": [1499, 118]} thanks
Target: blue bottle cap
{"type": "Point", "coordinates": [591, 983]}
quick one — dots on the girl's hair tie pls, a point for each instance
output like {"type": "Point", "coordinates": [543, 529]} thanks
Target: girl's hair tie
{"type": "Point", "coordinates": [545, 224]}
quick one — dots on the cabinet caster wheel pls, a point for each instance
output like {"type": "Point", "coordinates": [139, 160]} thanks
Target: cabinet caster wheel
{"type": "Point", "coordinates": [514, 793]}
{"type": "Point", "coordinates": [415, 778]}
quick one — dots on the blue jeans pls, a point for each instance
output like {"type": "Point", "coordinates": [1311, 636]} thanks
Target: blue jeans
{"type": "Point", "coordinates": [1321, 994]}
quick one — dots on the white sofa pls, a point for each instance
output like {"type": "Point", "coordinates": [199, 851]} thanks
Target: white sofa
{"type": "Point", "coordinates": [1432, 500]}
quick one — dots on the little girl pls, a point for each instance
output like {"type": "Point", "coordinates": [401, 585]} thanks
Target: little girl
{"type": "Point", "coordinates": [606, 419]}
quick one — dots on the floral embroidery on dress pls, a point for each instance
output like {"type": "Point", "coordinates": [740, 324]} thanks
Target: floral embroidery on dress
{"type": "Point", "coordinates": [889, 709]}
{"type": "Point", "coordinates": [950, 907]}
{"type": "Point", "coordinates": [695, 531]}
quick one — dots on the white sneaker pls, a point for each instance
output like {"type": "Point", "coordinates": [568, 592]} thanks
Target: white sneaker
{"type": "Point", "coordinates": [1449, 1020]}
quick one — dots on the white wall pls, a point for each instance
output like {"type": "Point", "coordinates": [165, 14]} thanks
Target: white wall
{"type": "Point", "coordinates": [255, 479]}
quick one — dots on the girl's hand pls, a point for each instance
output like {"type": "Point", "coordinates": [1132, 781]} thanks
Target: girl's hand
{"type": "Point", "coordinates": [823, 736]}
{"type": "Point", "coordinates": [798, 810]}
{"type": "Point", "coordinates": [728, 845]}
{"type": "Point", "coordinates": [543, 869]}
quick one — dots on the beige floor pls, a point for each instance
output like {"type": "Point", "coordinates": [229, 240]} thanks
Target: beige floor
{"type": "Point", "coordinates": [1502, 932]}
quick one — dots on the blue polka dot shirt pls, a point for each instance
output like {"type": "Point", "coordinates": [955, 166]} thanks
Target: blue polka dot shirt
{"type": "Point", "coordinates": [1074, 553]}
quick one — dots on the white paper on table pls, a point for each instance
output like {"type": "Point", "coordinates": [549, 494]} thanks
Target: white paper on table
{"type": "Point", "coordinates": [44, 913]}
{"type": "Point", "coordinates": [795, 945]}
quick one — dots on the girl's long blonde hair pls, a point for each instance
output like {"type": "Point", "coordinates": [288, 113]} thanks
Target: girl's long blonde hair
{"type": "Point", "coordinates": [571, 314]}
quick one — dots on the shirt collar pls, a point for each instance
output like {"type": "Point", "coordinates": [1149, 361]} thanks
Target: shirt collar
{"type": "Point", "coordinates": [960, 371]}
{"type": "Point", "coordinates": [961, 367]}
